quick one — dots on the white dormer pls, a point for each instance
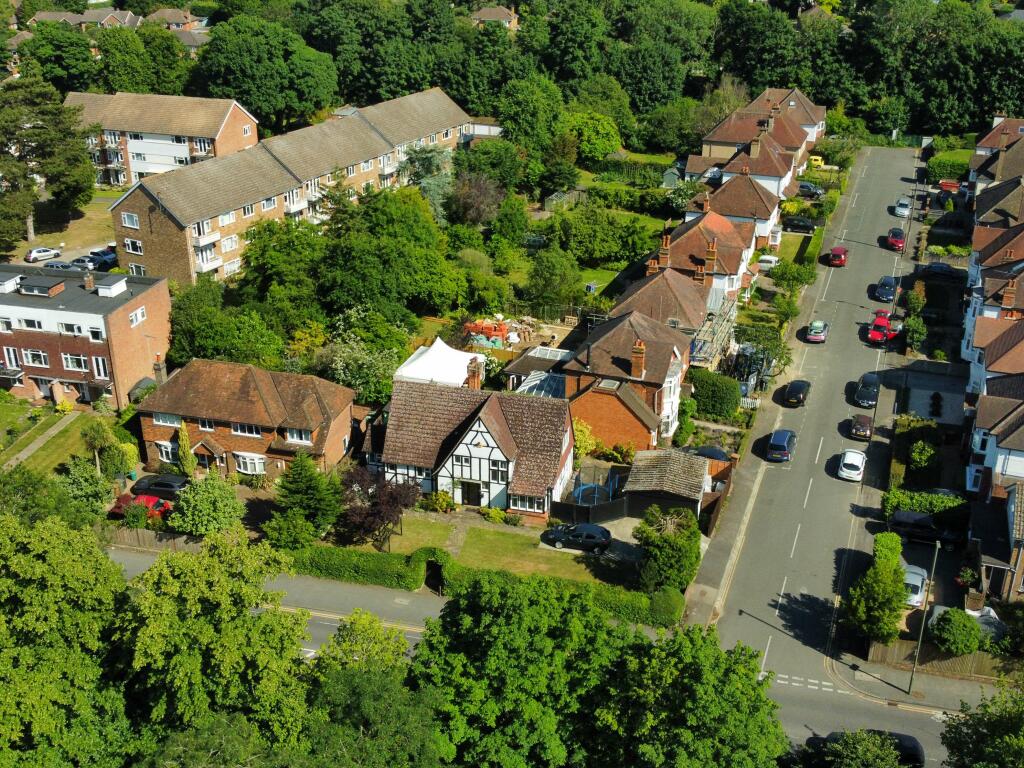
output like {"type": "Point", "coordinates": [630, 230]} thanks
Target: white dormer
{"type": "Point", "coordinates": [9, 283]}
{"type": "Point", "coordinates": [109, 286]}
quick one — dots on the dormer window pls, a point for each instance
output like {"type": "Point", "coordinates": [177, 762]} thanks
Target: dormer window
{"type": "Point", "coordinates": [300, 436]}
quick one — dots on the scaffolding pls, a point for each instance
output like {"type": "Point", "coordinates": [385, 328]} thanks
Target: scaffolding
{"type": "Point", "coordinates": [714, 337]}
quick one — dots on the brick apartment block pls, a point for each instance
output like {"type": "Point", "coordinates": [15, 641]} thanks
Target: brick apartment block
{"type": "Point", "coordinates": [245, 419]}
{"type": "Point", "coordinates": [193, 221]}
{"type": "Point", "coordinates": [71, 336]}
{"type": "Point", "coordinates": [145, 134]}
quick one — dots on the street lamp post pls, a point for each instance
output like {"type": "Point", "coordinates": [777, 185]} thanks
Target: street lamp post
{"type": "Point", "coordinates": [924, 618]}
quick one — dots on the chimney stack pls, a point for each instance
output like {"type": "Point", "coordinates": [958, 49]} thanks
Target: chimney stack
{"type": "Point", "coordinates": [710, 262]}
{"type": "Point", "coordinates": [1010, 293]}
{"type": "Point", "coordinates": [745, 170]}
{"type": "Point", "coordinates": [475, 373]}
{"type": "Point", "coordinates": [666, 243]}
{"type": "Point", "coordinates": [652, 266]}
{"type": "Point", "coordinates": [1008, 256]}
{"type": "Point", "coordinates": [159, 370]}
{"type": "Point", "coordinates": [88, 282]}
{"type": "Point", "coordinates": [999, 117]}
{"type": "Point", "coordinates": [706, 202]}
{"type": "Point", "coordinates": [1004, 137]}
{"type": "Point", "coordinates": [638, 360]}
{"type": "Point", "coordinates": [755, 148]}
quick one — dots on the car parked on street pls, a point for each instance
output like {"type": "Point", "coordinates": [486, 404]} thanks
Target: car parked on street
{"type": "Point", "coordinates": [868, 386]}
{"type": "Point", "coordinates": [796, 393]}
{"type": "Point", "coordinates": [896, 238]}
{"type": "Point", "coordinates": [798, 224]}
{"type": "Point", "coordinates": [885, 289]}
{"type": "Point", "coordinates": [851, 465]}
{"type": "Point", "coordinates": [883, 328]}
{"type": "Point", "coordinates": [585, 537]}
{"type": "Point", "coordinates": [903, 208]}
{"type": "Point", "coordinates": [808, 189]}
{"type": "Point", "coordinates": [862, 426]}
{"type": "Point", "coordinates": [42, 254]}
{"type": "Point", "coordinates": [837, 256]}
{"type": "Point", "coordinates": [817, 332]}
{"type": "Point", "coordinates": [914, 579]}
{"type": "Point", "coordinates": [162, 486]}
{"type": "Point", "coordinates": [781, 444]}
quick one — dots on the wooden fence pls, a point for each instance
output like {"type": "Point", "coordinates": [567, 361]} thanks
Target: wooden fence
{"type": "Point", "coordinates": [979, 665]}
{"type": "Point", "coordinates": [143, 538]}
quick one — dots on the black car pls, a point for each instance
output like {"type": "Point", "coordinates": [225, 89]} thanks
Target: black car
{"type": "Point", "coordinates": [798, 224]}
{"type": "Point", "coordinates": [807, 189]}
{"type": "Point", "coordinates": [781, 444]}
{"type": "Point", "coordinates": [885, 289]}
{"type": "Point", "coordinates": [583, 536]}
{"type": "Point", "coordinates": [923, 527]}
{"type": "Point", "coordinates": [909, 749]}
{"type": "Point", "coordinates": [162, 486]}
{"type": "Point", "coordinates": [868, 387]}
{"type": "Point", "coordinates": [796, 393]}
{"type": "Point", "coordinates": [712, 452]}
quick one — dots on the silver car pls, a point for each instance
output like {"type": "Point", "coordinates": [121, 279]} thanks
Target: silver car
{"type": "Point", "coordinates": [903, 208]}
{"type": "Point", "coordinates": [914, 579]}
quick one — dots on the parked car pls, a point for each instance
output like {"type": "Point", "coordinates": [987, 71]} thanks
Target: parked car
{"type": "Point", "coordinates": [42, 254]}
{"type": "Point", "coordinates": [914, 579]}
{"type": "Point", "coordinates": [883, 328]}
{"type": "Point", "coordinates": [582, 536]}
{"type": "Point", "coordinates": [161, 486]}
{"type": "Point", "coordinates": [923, 527]}
{"type": "Point", "coordinates": [817, 332]}
{"type": "Point", "coordinates": [896, 238]}
{"type": "Point", "coordinates": [798, 224]}
{"type": "Point", "coordinates": [903, 208]}
{"type": "Point", "coordinates": [796, 393]}
{"type": "Point", "coordinates": [781, 444]}
{"type": "Point", "coordinates": [85, 263]}
{"type": "Point", "coordinates": [862, 426]}
{"type": "Point", "coordinates": [105, 257]}
{"type": "Point", "coordinates": [715, 452]}
{"type": "Point", "coordinates": [807, 189]}
{"type": "Point", "coordinates": [938, 269]}
{"type": "Point", "coordinates": [766, 263]}
{"type": "Point", "coordinates": [885, 289]}
{"type": "Point", "coordinates": [911, 753]}
{"type": "Point", "coordinates": [868, 387]}
{"type": "Point", "coordinates": [851, 465]}
{"type": "Point", "coordinates": [59, 266]}
{"type": "Point", "coordinates": [837, 256]}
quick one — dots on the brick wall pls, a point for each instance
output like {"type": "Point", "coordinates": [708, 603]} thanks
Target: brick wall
{"type": "Point", "coordinates": [54, 345]}
{"type": "Point", "coordinates": [134, 350]}
{"type": "Point", "coordinates": [610, 420]}
{"type": "Point", "coordinates": [230, 139]}
{"type": "Point", "coordinates": [165, 243]}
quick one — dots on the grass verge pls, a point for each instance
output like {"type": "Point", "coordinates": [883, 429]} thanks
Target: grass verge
{"type": "Point", "coordinates": [24, 440]}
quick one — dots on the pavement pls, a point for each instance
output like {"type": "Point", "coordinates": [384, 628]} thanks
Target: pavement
{"type": "Point", "coordinates": [42, 439]}
{"type": "Point", "coordinates": [794, 536]}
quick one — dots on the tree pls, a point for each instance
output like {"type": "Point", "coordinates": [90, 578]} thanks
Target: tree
{"type": "Point", "coordinates": [373, 504]}
{"type": "Point", "coordinates": [362, 642]}
{"type": "Point", "coordinates": [717, 395]}
{"type": "Point", "coordinates": [596, 135]}
{"type": "Point", "coordinates": [576, 30]}
{"type": "Point", "coordinates": [187, 460]}
{"type": "Point", "coordinates": [671, 542]}
{"type": "Point", "coordinates": [922, 454]}
{"type": "Point", "coordinates": [43, 140]}
{"type": "Point", "coordinates": [124, 62]}
{"type": "Point", "coordinates": [684, 701]}
{"type": "Point", "coordinates": [118, 459]}
{"type": "Point", "coordinates": [512, 221]}
{"type": "Point", "coordinates": [987, 735]}
{"type": "Point", "coordinates": [554, 278]}
{"type": "Point", "coordinates": [97, 435]}
{"type": "Point", "coordinates": [63, 55]}
{"type": "Point", "coordinates": [528, 110]}
{"type": "Point", "coordinates": [367, 371]}
{"type": "Point", "coordinates": [201, 635]}
{"type": "Point", "coordinates": [652, 72]}
{"type": "Point", "coordinates": [861, 749]}
{"type": "Point", "coordinates": [267, 67]}
{"type": "Point", "coordinates": [474, 199]}
{"type": "Point", "coordinates": [207, 506]}
{"type": "Point", "coordinates": [956, 632]}
{"type": "Point", "coordinates": [758, 44]}
{"type": "Point", "coordinates": [583, 439]}
{"type": "Point", "coordinates": [288, 529]}
{"type": "Point", "coordinates": [602, 93]}
{"type": "Point", "coordinates": [497, 159]}
{"type": "Point", "coordinates": [222, 740]}
{"type": "Point", "coordinates": [874, 605]}
{"type": "Point", "coordinates": [915, 331]}
{"type": "Point", "coordinates": [88, 491]}
{"type": "Point", "coordinates": [303, 488]}
{"type": "Point", "coordinates": [31, 496]}
{"type": "Point", "coordinates": [168, 57]}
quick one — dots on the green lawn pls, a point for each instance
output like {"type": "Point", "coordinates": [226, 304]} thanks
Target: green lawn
{"type": "Point", "coordinates": [23, 441]}
{"type": "Point", "coordinates": [653, 223]}
{"type": "Point", "coordinates": [588, 179]}
{"type": "Point", "coordinates": [418, 533]}
{"type": "Point", "coordinates": [12, 413]}
{"type": "Point", "coordinates": [602, 277]}
{"type": "Point", "coordinates": [60, 448]}
{"type": "Point", "coordinates": [91, 226]}
{"type": "Point", "coordinates": [789, 246]}
{"type": "Point", "coordinates": [513, 552]}
{"type": "Point", "coordinates": [666, 158]}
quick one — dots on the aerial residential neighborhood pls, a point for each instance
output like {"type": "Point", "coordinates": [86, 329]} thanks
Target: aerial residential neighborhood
{"type": "Point", "coordinates": [568, 383]}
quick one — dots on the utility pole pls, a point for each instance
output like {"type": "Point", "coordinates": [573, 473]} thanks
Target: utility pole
{"type": "Point", "coordinates": [924, 618]}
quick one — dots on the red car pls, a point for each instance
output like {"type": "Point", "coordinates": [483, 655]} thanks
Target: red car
{"type": "Point", "coordinates": [883, 328]}
{"type": "Point", "coordinates": [897, 239]}
{"type": "Point", "coordinates": [837, 256]}
{"type": "Point", "coordinates": [157, 507]}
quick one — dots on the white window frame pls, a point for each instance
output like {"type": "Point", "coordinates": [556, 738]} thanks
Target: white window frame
{"type": "Point", "coordinates": [97, 334]}
{"type": "Point", "coordinates": [229, 243]}
{"type": "Point", "coordinates": [226, 218]}
{"type": "Point", "coordinates": [138, 157]}
{"type": "Point", "coordinates": [135, 137]}
{"type": "Point", "coordinates": [181, 139]}
{"type": "Point", "coordinates": [527, 503]}
{"type": "Point", "coordinates": [247, 130]}
{"type": "Point", "coordinates": [231, 267]}
{"type": "Point", "coordinates": [133, 246]}
{"type": "Point", "coordinates": [498, 471]}
{"type": "Point", "coordinates": [245, 430]}
{"type": "Point", "coordinates": [166, 419]}
{"type": "Point", "coordinates": [128, 218]}
{"type": "Point", "coordinates": [100, 367]}
{"type": "Point", "coordinates": [446, 133]}
{"type": "Point", "coordinates": [201, 228]}
{"type": "Point", "coordinates": [6, 326]}
{"type": "Point", "coordinates": [205, 425]}
{"type": "Point", "coordinates": [248, 211]}
{"type": "Point", "coordinates": [269, 203]}
{"type": "Point", "coordinates": [31, 324]}
{"type": "Point", "coordinates": [72, 329]}
{"type": "Point", "coordinates": [137, 270]}
{"type": "Point", "coordinates": [303, 436]}
{"type": "Point", "coordinates": [29, 355]}
{"type": "Point", "coordinates": [111, 136]}
{"type": "Point", "coordinates": [202, 145]}
{"type": "Point", "coordinates": [250, 463]}
{"type": "Point", "coordinates": [205, 254]}
{"type": "Point", "coordinates": [137, 317]}
{"type": "Point", "coordinates": [74, 362]}
{"type": "Point", "coordinates": [11, 358]}
{"type": "Point", "coordinates": [166, 450]}
{"type": "Point", "coordinates": [366, 165]}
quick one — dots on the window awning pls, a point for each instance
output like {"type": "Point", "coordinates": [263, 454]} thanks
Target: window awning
{"type": "Point", "coordinates": [11, 374]}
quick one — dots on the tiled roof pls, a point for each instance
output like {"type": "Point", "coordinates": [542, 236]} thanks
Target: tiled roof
{"type": "Point", "coordinates": [1014, 125]}
{"type": "Point", "coordinates": [537, 358]}
{"type": "Point", "coordinates": [668, 471]}
{"type": "Point", "coordinates": [1003, 417]}
{"type": "Point", "coordinates": [327, 146]}
{"type": "Point", "coordinates": [740, 197]}
{"type": "Point", "coordinates": [192, 38]}
{"type": "Point", "coordinates": [1005, 353]}
{"type": "Point", "coordinates": [772, 160]}
{"type": "Point", "coordinates": [610, 347]}
{"type": "Point", "coordinates": [792, 101]}
{"type": "Point", "coordinates": [251, 395]}
{"type": "Point", "coordinates": [993, 284]}
{"type": "Point", "coordinates": [90, 16]}
{"type": "Point", "coordinates": [996, 246]}
{"type": "Point", "coordinates": [493, 13]}
{"type": "Point", "coordinates": [154, 113]}
{"type": "Point", "coordinates": [171, 16]}
{"type": "Point", "coordinates": [988, 329]}
{"type": "Point", "coordinates": [689, 243]}
{"type": "Point", "coordinates": [664, 295]}
{"type": "Point", "coordinates": [1002, 204]}
{"type": "Point", "coordinates": [696, 165]}
{"type": "Point", "coordinates": [414, 116]}
{"type": "Point", "coordinates": [1011, 386]}
{"type": "Point", "coordinates": [12, 42]}
{"type": "Point", "coordinates": [626, 395]}
{"type": "Point", "coordinates": [426, 422]}
{"type": "Point", "coordinates": [987, 167]}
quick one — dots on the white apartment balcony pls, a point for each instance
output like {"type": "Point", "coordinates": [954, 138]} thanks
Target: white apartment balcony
{"type": "Point", "coordinates": [294, 205]}
{"type": "Point", "coordinates": [210, 237]}
{"type": "Point", "coordinates": [208, 265]}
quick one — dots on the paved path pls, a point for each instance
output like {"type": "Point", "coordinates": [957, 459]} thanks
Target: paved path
{"type": "Point", "coordinates": [41, 440]}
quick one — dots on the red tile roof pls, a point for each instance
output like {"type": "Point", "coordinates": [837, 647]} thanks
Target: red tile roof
{"type": "Point", "coordinates": [666, 295]}
{"type": "Point", "coordinates": [1013, 125]}
{"type": "Point", "coordinates": [792, 101]}
{"type": "Point", "coordinates": [689, 244]}
{"type": "Point", "coordinates": [772, 160]}
{"type": "Point", "coordinates": [741, 197]}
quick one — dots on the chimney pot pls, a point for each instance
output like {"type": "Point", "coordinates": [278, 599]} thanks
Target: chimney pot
{"type": "Point", "coordinates": [1010, 294]}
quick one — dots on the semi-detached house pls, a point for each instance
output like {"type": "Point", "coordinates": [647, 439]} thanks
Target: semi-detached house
{"type": "Point", "coordinates": [193, 221]}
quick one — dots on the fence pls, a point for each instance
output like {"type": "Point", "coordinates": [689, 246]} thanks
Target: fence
{"type": "Point", "coordinates": [597, 513]}
{"type": "Point", "coordinates": [143, 538]}
{"type": "Point", "coordinates": [934, 662]}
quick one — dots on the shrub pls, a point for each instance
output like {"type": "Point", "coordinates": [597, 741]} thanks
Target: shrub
{"type": "Point", "coordinates": [952, 164]}
{"type": "Point", "coordinates": [135, 516]}
{"type": "Point", "coordinates": [687, 409]}
{"type": "Point", "coordinates": [717, 395]}
{"type": "Point", "coordinates": [671, 543]}
{"type": "Point", "coordinates": [915, 300]}
{"type": "Point", "coordinates": [257, 482]}
{"type": "Point", "coordinates": [939, 356]}
{"type": "Point", "coordinates": [887, 547]}
{"type": "Point", "coordinates": [896, 474]}
{"type": "Point", "coordinates": [438, 502]}
{"type": "Point", "coordinates": [585, 441]}
{"type": "Point", "coordinates": [955, 632]}
{"type": "Point", "coordinates": [492, 514]}
{"type": "Point", "coordinates": [206, 507]}
{"type": "Point", "coordinates": [381, 568]}
{"type": "Point", "coordinates": [618, 453]}
{"type": "Point", "coordinates": [918, 501]}
{"type": "Point", "coordinates": [64, 407]}
{"type": "Point", "coordinates": [915, 331]}
{"type": "Point", "coordinates": [922, 455]}
{"type": "Point", "coordinates": [667, 606]}
{"type": "Point", "coordinates": [289, 529]}
{"type": "Point", "coordinates": [513, 519]}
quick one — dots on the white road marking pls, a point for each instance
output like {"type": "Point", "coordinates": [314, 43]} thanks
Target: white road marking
{"type": "Point", "coordinates": [782, 596]}
{"type": "Point", "coordinates": [402, 600]}
{"type": "Point", "coordinates": [842, 236]}
{"type": "Point", "coordinates": [793, 549]}
{"type": "Point", "coordinates": [827, 281]}
{"type": "Point", "coordinates": [818, 454]}
{"type": "Point", "coordinates": [853, 203]}
{"type": "Point", "coordinates": [765, 657]}
{"type": "Point", "coordinates": [807, 495]}
{"type": "Point", "coordinates": [797, 678]}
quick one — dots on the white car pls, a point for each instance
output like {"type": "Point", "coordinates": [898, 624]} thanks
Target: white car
{"type": "Point", "coordinates": [767, 263]}
{"type": "Point", "coordinates": [914, 579]}
{"type": "Point", "coordinates": [41, 254]}
{"type": "Point", "coordinates": [903, 208]}
{"type": "Point", "coordinates": [851, 465]}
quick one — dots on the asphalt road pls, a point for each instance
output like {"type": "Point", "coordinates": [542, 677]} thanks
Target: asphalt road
{"type": "Point", "coordinates": [809, 530]}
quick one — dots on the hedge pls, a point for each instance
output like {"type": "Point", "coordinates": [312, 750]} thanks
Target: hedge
{"type": "Point", "coordinates": [953, 164]}
{"type": "Point", "coordinates": [667, 606]}
{"type": "Point", "coordinates": [717, 395]}
{"type": "Point", "coordinates": [353, 565]}
{"type": "Point", "coordinates": [888, 547]}
{"type": "Point", "coordinates": [918, 501]}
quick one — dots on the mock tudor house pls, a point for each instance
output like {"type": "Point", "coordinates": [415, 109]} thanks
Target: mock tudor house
{"type": "Point", "coordinates": [497, 449]}
{"type": "Point", "coordinates": [245, 419]}
{"type": "Point", "coordinates": [742, 200]}
{"type": "Point", "coordinates": [69, 336]}
{"type": "Point", "coordinates": [146, 133]}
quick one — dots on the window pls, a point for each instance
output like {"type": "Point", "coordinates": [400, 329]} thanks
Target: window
{"type": "Point", "coordinates": [366, 165]}
{"type": "Point", "coordinates": [206, 425]}
{"type": "Point", "coordinates": [201, 228]}
{"type": "Point", "coordinates": [433, 138]}
{"type": "Point", "coordinates": [96, 334]}
{"type": "Point", "coordinates": [499, 471]}
{"type": "Point", "coordinates": [299, 436]}
{"type": "Point", "coordinates": [74, 330]}
{"type": "Point", "coordinates": [248, 430]}
{"type": "Point", "coordinates": [135, 136]}
{"type": "Point", "coordinates": [205, 254]}
{"type": "Point", "coordinates": [181, 140]}
{"type": "Point", "coordinates": [137, 316]}
{"type": "Point", "coordinates": [36, 357]}
{"type": "Point", "coordinates": [350, 170]}
{"type": "Point", "coordinates": [99, 367]}
{"type": "Point", "coordinates": [139, 157]}
{"type": "Point", "coordinates": [138, 270]}
{"type": "Point", "coordinates": [75, 362]}
{"type": "Point", "coordinates": [31, 325]}
{"type": "Point", "coordinates": [250, 463]}
{"type": "Point", "coordinates": [6, 326]}
{"type": "Point", "coordinates": [11, 359]}
{"type": "Point", "coordinates": [446, 133]}
{"type": "Point", "coordinates": [181, 161]}
{"type": "Point", "coordinates": [391, 467]}
{"type": "Point", "coordinates": [329, 178]}
{"type": "Point", "coordinates": [168, 451]}
{"type": "Point", "coordinates": [130, 220]}
{"type": "Point", "coordinates": [232, 267]}
{"type": "Point", "coordinates": [461, 463]}
{"type": "Point", "coordinates": [167, 419]}
{"type": "Point", "coordinates": [269, 204]}
{"type": "Point", "coordinates": [527, 503]}
{"type": "Point", "coordinates": [202, 146]}
{"type": "Point", "coordinates": [248, 210]}
{"type": "Point", "coordinates": [421, 472]}
{"type": "Point", "coordinates": [226, 218]}
{"type": "Point", "coordinates": [247, 130]}
{"type": "Point", "coordinates": [229, 243]}
{"type": "Point", "coordinates": [133, 246]}
{"type": "Point", "coordinates": [112, 136]}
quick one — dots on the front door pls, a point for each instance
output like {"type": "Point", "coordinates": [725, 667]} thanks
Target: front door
{"type": "Point", "coordinates": [470, 493]}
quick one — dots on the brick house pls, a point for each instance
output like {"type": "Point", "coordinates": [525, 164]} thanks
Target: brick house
{"type": "Point", "coordinates": [742, 200]}
{"type": "Point", "coordinates": [80, 337]}
{"type": "Point", "coordinates": [994, 140]}
{"type": "Point", "coordinates": [145, 134]}
{"type": "Point", "coordinates": [498, 449]}
{"type": "Point", "coordinates": [1006, 162]}
{"type": "Point", "coordinates": [996, 263]}
{"type": "Point", "coordinates": [668, 297]}
{"type": "Point", "coordinates": [797, 108]}
{"type": "Point", "coordinates": [245, 419]}
{"type": "Point", "coordinates": [92, 17]}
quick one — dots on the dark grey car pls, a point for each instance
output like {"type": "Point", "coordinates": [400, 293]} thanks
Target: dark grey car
{"type": "Point", "coordinates": [868, 387]}
{"type": "Point", "coordinates": [586, 537]}
{"type": "Point", "coordinates": [162, 486]}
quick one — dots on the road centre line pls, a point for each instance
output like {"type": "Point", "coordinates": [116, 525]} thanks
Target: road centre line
{"type": "Point", "coordinates": [807, 495]}
{"type": "Point", "coordinates": [821, 442]}
{"type": "Point", "coordinates": [764, 658]}
{"type": "Point", "coordinates": [853, 203]}
{"type": "Point", "coordinates": [797, 536]}
{"type": "Point", "coordinates": [782, 595]}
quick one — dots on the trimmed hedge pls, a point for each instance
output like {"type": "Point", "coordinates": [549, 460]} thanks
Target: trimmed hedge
{"type": "Point", "coordinates": [717, 395]}
{"type": "Point", "coordinates": [667, 606]}
{"type": "Point", "coordinates": [918, 501]}
{"type": "Point", "coordinates": [381, 568]}
{"type": "Point", "coordinates": [888, 547]}
{"type": "Point", "coordinates": [953, 164]}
